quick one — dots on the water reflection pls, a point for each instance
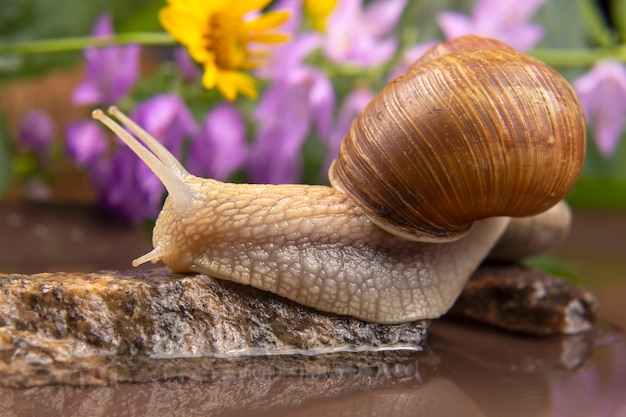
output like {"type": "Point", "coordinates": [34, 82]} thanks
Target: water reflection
{"type": "Point", "coordinates": [509, 375]}
{"type": "Point", "coordinates": [468, 370]}
{"type": "Point", "coordinates": [599, 387]}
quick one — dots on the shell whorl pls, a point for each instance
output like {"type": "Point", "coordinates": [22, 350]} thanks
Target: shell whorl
{"type": "Point", "coordinates": [465, 134]}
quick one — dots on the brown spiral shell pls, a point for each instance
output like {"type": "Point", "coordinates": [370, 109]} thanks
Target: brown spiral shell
{"type": "Point", "coordinates": [473, 130]}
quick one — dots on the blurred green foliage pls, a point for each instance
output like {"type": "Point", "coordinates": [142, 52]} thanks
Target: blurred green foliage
{"type": "Point", "coordinates": [24, 20]}
{"type": "Point", "coordinates": [569, 25]}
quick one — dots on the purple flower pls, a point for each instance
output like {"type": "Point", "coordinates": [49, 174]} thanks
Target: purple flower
{"type": "Point", "coordinates": [290, 55]}
{"type": "Point", "coordinates": [220, 147]}
{"type": "Point", "coordinates": [188, 69]}
{"type": "Point", "coordinates": [352, 107]}
{"type": "Point", "coordinates": [85, 142]}
{"type": "Point", "coordinates": [357, 36]}
{"type": "Point", "coordinates": [506, 20]}
{"type": "Point", "coordinates": [287, 110]}
{"type": "Point", "coordinates": [294, 7]}
{"type": "Point", "coordinates": [111, 71]}
{"type": "Point", "coordinates": [126, 187]}
{"type": "Point", "coordinates": [167, 118]}
{"type": "Point", "coordinates": [602, 93]}
{"type": "Point", "coordinates": [300, 97]}
{"type": "Point", "coordinates": [36, 131]}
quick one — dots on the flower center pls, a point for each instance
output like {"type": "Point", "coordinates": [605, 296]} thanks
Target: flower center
{"type": "Point", "coordinates": [224, 40]}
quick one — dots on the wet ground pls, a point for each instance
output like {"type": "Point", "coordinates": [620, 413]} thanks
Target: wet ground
{"type": "Point", "coordinates": [468, 370]}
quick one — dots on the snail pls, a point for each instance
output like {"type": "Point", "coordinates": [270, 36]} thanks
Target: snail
{"type": "Point", "coordinates": [427, 180]}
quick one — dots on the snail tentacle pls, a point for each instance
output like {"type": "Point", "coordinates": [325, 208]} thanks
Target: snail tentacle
{"type": "Point", "coordinates": [160, 161]}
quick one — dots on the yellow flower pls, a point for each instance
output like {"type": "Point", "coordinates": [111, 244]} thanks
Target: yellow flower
{"type": "Point", "coordinates": [219, 35]}
{"type": "Point", "coordinates": [318, 11]}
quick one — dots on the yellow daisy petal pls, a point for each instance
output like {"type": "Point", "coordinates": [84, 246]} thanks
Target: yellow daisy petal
{"type": "Point", "coordinates": [319, 11]}
{"type": "Point", "coordinates": [181, 26]}
{"type": "Point", "coordinates": [209, 78]}
{"type": "Point", "coordinates": [199, 53]}
{"type": "Point", "coordinates": [259, 54]}
{"type": "Point", "coordinates": [228, 90]}
{"type": "Point", "coordinates": [203, 7]}
{"type": "Point", "coordinates": [268, 37]}
{"type": "Point", "coordinates": [216, 35]}
{"type": "Point", "coordinates": [319, 7]}
{"type": "Point", "coordinates": [244, 6]}
{"type": "Point", "coordinates": [267, 21]}
{"type": "Point", "coordinates": [231, 82]}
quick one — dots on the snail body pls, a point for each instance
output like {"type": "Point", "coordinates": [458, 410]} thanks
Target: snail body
{"type": "Point", "coordinates": [338, 250]}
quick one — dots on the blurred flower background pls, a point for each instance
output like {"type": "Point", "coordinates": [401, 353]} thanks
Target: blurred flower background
{"type": "Point", "coordinates": [261, 91]}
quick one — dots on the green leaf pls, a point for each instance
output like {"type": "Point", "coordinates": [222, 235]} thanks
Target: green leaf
{"type": "Point", "coordinates": [314, 151]}
{"type": "Point", "coordinates": [592, 192]}
{"type": "Point", "coordinates": [419, 19]}
{"type": "Point", "coordinates": [555, 266]}
{"type": "Point", "coordinates": [618, 11]}
{"type": "Point", "coordinates": [145, 18]}
{"type": "Point", "coordinates": [596, 23]}
{"type": "Point", "coordinates": [24, 20]}
{"type": "Point", "coordinates": [563, 24]}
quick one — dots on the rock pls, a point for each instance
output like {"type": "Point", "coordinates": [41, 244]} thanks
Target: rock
{"type": "Point", "coordinates": [161, 314]}
{"type": "Point", "coordinates": [98, 328]}
{"type": "Point", "coordinates": [52, 326]}
{"type": "Point", "coordinates": [525, 300]}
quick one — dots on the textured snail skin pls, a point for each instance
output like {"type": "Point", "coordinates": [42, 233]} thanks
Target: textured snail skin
{"type": "Point", "coordinates": [313, 245]}
{"type": "Point", "coordinates": [319, 247]}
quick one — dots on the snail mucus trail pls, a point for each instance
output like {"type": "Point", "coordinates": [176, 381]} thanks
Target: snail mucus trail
{"type": "Point", "coordinates": [424, 186]}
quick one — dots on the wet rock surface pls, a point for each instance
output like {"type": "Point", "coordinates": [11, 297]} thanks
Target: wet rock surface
{"type": "Point", "coordinates": [136, 324]}
{"type": "Point", "coordinates": [525, 300]}
{"type": "Point", "coordinates": [145, 325]}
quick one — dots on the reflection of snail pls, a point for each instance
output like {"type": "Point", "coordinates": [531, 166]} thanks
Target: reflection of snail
{"type": "Point", "coordinates": [473, 132]}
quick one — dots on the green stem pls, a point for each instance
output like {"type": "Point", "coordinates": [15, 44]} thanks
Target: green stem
{"type": "Point", "coordinates": [79, 43]}
{"type": "Point", "coordinates": [552, 57]}
{"type": "Point", "coordinates": [578, 57]}
{"type": "Point", "coordinates": [594, 21]}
